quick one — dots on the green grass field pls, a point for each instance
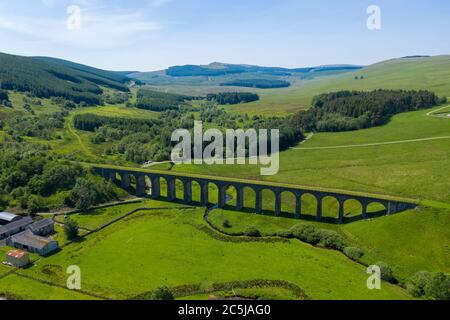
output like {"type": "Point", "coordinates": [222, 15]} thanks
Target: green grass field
{"type": "Point", "coordinates": [409, 242]}
{"type": "Point", "coordinates": [147, 250]}
{"type": "Point", "coordinates": [96, 218]}
{"type": "Point", "coordinates": [412, 169]}
{"type": "Point", "coordinates": [419, 73]}
{"type": "Point", "coordinates": [26, 289]}
{"type": "Point", "coordinates": [119, 111]}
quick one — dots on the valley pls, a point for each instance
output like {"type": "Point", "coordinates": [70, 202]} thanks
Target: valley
{"type": "Point", "coordinates": [129, 249]}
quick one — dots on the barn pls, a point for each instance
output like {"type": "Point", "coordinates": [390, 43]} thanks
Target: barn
{"type": "Point", "coordinates": [6, 217]}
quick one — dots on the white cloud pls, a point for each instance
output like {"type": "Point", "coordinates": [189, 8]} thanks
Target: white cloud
{"type": "Point", "coordinates": [98, 30]}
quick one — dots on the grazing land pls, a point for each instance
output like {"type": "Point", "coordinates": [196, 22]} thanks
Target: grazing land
{"type": "Point", "coordinates": [158, 246]}
{"type": "Point", "coordinates": [127, 249]}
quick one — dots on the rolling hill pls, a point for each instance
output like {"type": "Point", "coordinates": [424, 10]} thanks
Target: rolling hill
{"type": "Point", "coordinates": [409, 73]}
{"type": "Point", "coordinates": [217, 73]}
{"type": "Point", "coordinates": [48, 77]}
{"type": "Point", "coordinates": [111, 75]}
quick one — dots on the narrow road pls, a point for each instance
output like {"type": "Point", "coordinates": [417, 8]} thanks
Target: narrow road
{"type": "Point", "coordinates": [374, 144]}
{"type": "Point", "coordinates": [429, 114]}
{"type": "Point", "coordinates": [433, 113]}
{"type": "Point", "coordinates": [77, 137]}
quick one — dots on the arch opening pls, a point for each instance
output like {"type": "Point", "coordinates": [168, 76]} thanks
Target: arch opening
{"type": "Point", "coordinates": [231, 197]}
{"type": "Point", "coordinates": [268, 201]}
{"type": "Point", "coordinates": [309, 206]}
{"type": "Point", "coordinates": [196, 192]}
{"type": "Point", "coordinates": [353, 209]}
{"type": "Point", "coordinates": [330, 208]}
{"type": "Point", "coordinates": [288, 204]}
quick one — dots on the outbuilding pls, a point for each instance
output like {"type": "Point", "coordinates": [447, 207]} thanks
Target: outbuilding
{"type": "Point", "coordinates": [43, 227]}
{"type": "Point", "coordinates": [27, 240]}
{"type": "Point", "coordinates": [15, 227]}
{"type": "Point", "coordinates": [18, 258]}
{"type": "Point", "coordinates": [6, 217]}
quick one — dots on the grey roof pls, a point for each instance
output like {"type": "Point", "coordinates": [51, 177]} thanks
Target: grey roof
{"type": "Point", "coordinates": [29, 239]}
{"type": "Point", "coordinates": [6, 216]}
{"type": "Point", "coordinates": [37, 226]}
{"type": "Point", "coordinates": [16, 225]}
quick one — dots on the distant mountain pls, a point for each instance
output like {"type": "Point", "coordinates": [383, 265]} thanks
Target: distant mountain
{"type": "Point", "coordinates": [219, 69]}
{"type": "Point", "coordinates": [49, 77]}
{"type": "Point", "coordinates": [217, 73]}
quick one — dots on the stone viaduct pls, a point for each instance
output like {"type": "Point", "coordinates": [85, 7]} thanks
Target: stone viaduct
{"type": "Point", "coordinates": [148, 183]}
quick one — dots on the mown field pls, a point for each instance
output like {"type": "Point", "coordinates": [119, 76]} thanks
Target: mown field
{"type": "Point", "coordinates": [150, 249]}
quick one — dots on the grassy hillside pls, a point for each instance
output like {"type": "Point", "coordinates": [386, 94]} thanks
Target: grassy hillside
{"type": "Point", "coordinates": [408, 73]}
{"type": "Point", "coordinates": [114, 76]}
{"type": "Point", "coordinates": [45, 79]}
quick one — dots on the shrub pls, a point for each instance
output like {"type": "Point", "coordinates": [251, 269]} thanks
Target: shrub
{"type": "Point", "coordinates": [252, 232]}
{"type": "Point", "coordinates": [416, 285]}
{"type": "Point", "coordinates": [353, 253]}
{"type": "Point", "coordinates": [330, 239]}
{"type": "Point", "coordinates": [70, 229]}
{"type": "Point", "coordinates": [306, 233]}
{"type": "Point", "coordinates": [438, 287]}
{"type": "Point", "coordinates": [285, 234]}
{"type": "Point", "coordinates": [162, 294]}
{"type": "Point", "coordinates": [34, 205]}
{"type": "Point", "coordinates": [386, 272]}
{"type": "Point", "coordinates": [226, 224]}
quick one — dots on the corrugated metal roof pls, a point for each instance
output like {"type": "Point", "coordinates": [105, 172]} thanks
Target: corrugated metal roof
{"type": "Point", "coordinates": [27, 238]}
{"type": "Point", "coordinates": [37, 226]}
{"type": "Point", "coordinates": [6, 216]}
{"type": "Point", "coordinates": [16, 224]}
{"type": "Point", "coordinates": [18, 254]}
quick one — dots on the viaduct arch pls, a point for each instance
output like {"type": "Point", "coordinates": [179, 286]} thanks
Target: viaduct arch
{"type": "Point", "coordinates": [154, 190]}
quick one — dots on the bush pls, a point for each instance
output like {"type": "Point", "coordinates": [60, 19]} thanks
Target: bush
{"type": "Point", "coordinates": [252, 232]}
{"type": "Point", "coordinates": [285, 234]}
{"type": "Point", "coordinates": [226, 224]}
{"type": "Point", "coordinates": [353, 253]}
{"type": "Point", "coordinates": [438, 287]}
{"type": "Point", "coordinates": [162, 294]}
{"type": "Point", "coordinates": [306, 233]}
{"type": "Point", "coordinates": [386, 272]}
{"type": "Point", "coordinates": [70, 229]}
{"type": "Point", "coordinates": [35, 205]}
{"type": "Point", "coordinates": [416, 285]}
{"type": "Point", "coordinates": [330, 239]}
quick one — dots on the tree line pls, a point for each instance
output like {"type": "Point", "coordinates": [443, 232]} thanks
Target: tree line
{"type": "Point", "coordinates": [160, 101]}
{"type": "Point", "coordinates": [353, 110]}
{"type": "Point", "coordinates": [232, 97]}
{"type": "Point", "coordinates": [36, 181]}
{"type": "Point", "coordinates": [257, 83]}
{"type": "Point", "coordinates": [143, 140]}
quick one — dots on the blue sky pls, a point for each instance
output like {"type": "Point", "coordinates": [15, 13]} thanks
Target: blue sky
{"type": "Point", "coordinates": [154, 34]}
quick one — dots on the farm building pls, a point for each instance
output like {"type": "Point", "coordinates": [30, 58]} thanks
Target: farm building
{"type": "Point", "coordinates": [27, 240]}
{"type": "Point", "coordinates": [14, 227]}
{"type": "Point", "coordinates": [18, 258]}
{"type": "Point", "coordinates": [43, 227]}
{"type": "Point", "coordinates": [6, 217]}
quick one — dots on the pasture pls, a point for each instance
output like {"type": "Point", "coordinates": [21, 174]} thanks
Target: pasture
{"type": "Point", "coordinates": [409, 242]}
{"type": "Point", "coordinates": [147, 250]}
{"type": "Point", "coordinates": [412, 169]}
{"type": "Point", "coordinates": [413, 74]}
